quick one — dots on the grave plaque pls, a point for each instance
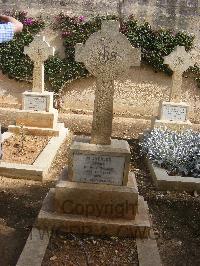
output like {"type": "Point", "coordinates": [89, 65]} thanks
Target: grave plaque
{"type": "Point", "coordinates": [174, 113]}
{"type": "Point", "coordinates": [92, 168]}
{"type": "Point", "coordinates": [35, 103]}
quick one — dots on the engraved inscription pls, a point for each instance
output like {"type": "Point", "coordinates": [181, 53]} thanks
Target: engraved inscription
{"type": "Point", "coordinates": [98, 169]}
{"type": "Point", "coordinates": [35, 103]}
{"type": "Point", "coordinates": [174, 113]}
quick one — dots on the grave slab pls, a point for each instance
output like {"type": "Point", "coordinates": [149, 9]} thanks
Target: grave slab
{"type": "Point", "coordinates": [38, 171]}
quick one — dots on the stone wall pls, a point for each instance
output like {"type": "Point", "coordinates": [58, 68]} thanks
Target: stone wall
{"type": "Point", "coordinates": [177, 14]}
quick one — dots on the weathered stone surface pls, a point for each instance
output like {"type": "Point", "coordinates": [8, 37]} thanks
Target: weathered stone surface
{"type": "Point", "coordinates": [97, 200]}
{"type": "Point", "coordinates": [38, 51]}
{"type": "Point", "coordinates": [35, 248]}
{"type": "Point", "coordinates": [179, 61]}
{"type": "Point", "coordinates": [49, 219]}
{"type": "Point", "coordinates": [172, 125]}
{"type": "Point", "coordinates": [195, 52]}
{"type": "Point", "coordinates": [35, 101]}
{"type": "Point", "coordinates": [174, 111]}
{"type": "Point", "coordinates": [98, 163]}
{"type": "Point", "coordinates": [106, 54]}
{"type": "Point", "coordinates": [174, 14]}
{"type": "Point", "coordinates": [37, 119]}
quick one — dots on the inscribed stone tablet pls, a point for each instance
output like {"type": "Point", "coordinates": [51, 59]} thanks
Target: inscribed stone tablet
{"type": "Point", "coordinates": [35, 103]}
{"type": "Point", "coordinates": [98, 169]}
{"type": "Point", "coordinates": [174, 113]}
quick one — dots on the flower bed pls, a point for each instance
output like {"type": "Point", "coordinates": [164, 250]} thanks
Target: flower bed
{"type": "Point", "coordinates": [173, 158]}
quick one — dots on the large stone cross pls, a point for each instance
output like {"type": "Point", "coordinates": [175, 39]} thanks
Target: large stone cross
{"type": "Point", "coordinates": [39, 51]}
{"type": "Point", "coordinates": [179, 61]}
{"type": "Point", "coordinates": [195, 52]}
{"type": "Point", "coordinates": [106, 54]}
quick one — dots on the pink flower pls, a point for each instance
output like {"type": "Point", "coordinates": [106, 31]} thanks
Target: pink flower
{"type": "Point", "coordinates": [66, 34]}
{"type": "Point", "coordinates": [28, 21]}
{"type": "Point", "coordinates": [81, 18]}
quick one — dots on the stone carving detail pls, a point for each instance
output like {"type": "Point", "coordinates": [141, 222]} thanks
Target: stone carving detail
{"type": "Point", "coordinates": [179, 61]}
{"type": "Point", "coordinates": [39, 51]}
{"type": "Point", "coordinates": [195, 53]}
{"type": "Point", "coordinates": [106, 54]}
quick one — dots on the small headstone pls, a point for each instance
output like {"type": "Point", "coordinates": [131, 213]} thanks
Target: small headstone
{"type": "Point", "coordinates": [38, 100]}
{"type": "Point", "coordinates": [174, 112]}
{"type": "Point", "coordinates": [179, 61]}
{"type": "Point", "coordinates": [106, 54]}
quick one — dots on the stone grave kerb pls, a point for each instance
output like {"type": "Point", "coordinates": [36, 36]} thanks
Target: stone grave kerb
{"type": "Point", "coordinates": [39, 51]}
{"type": "Point", "coordinates": [178, 61]}
{"type": "Point", "coordinates": [107, 54]}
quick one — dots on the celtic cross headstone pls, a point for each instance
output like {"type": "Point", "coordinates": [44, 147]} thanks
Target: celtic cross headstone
{"type": "Point", "coordinates": [106, 54]}
{"type": "Point", "coordinates": [39, 51]}
{"type": "Point", "coordinates": [179, 61]}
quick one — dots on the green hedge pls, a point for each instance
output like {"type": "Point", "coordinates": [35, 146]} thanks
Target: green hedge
{"type": "Point", "coordinates": [154, 45]}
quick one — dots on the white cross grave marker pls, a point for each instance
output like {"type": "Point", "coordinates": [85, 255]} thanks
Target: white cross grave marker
{"type": "Point", "coordinates": [106, 54]}
{"type": "Point", "coordinates": [39, 51]}
{"type": "Point", "coordinates": [179, 61]}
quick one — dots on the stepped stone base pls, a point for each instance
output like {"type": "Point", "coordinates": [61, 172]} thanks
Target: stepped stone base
{"type": "Point", "coordinates": [48, 219]}
{"type": "Point", "coordinates": [37, 119]}
{"type": "Point", "coordinates": [172, 125]}
{"type": "Point", "coordinates": [82, 202]}
{"type": "Point", "coordinates": [99, 200]}
{"type": "Point", "coordinates": [35, 131]}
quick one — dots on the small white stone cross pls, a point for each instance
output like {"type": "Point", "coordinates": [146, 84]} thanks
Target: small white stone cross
{"type": "Point", "coordinates": [106, 54]}
{"type": "Point", "coordinates": [179, 61]}
{"type": "Point", "coordinates": [39, 51]}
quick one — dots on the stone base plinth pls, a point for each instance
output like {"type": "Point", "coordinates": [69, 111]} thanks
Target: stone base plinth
{"type": "Point", "coordinates": [49, 219]}
{"type": "Point", "coordinates": [92, 163]}
{"type": "Point", "coordinates": [36, 131]}
{"type": "Point", "coordinates": [37, 101]}
{"type": "Point", "coordinates": [37, 119]}
{"type": "Point", "coordinates": [99, 200]}
{"type": "Point", "coordinates": [172, 125]}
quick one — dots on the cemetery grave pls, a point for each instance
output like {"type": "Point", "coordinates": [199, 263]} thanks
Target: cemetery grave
{"type": "Point", "coordinates": [32, 143]}
{"type": "Point", "coordinates": [99, 205]}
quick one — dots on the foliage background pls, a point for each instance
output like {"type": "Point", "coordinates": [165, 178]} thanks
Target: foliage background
{"type": "Point", "coordinates": [154, 45]}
